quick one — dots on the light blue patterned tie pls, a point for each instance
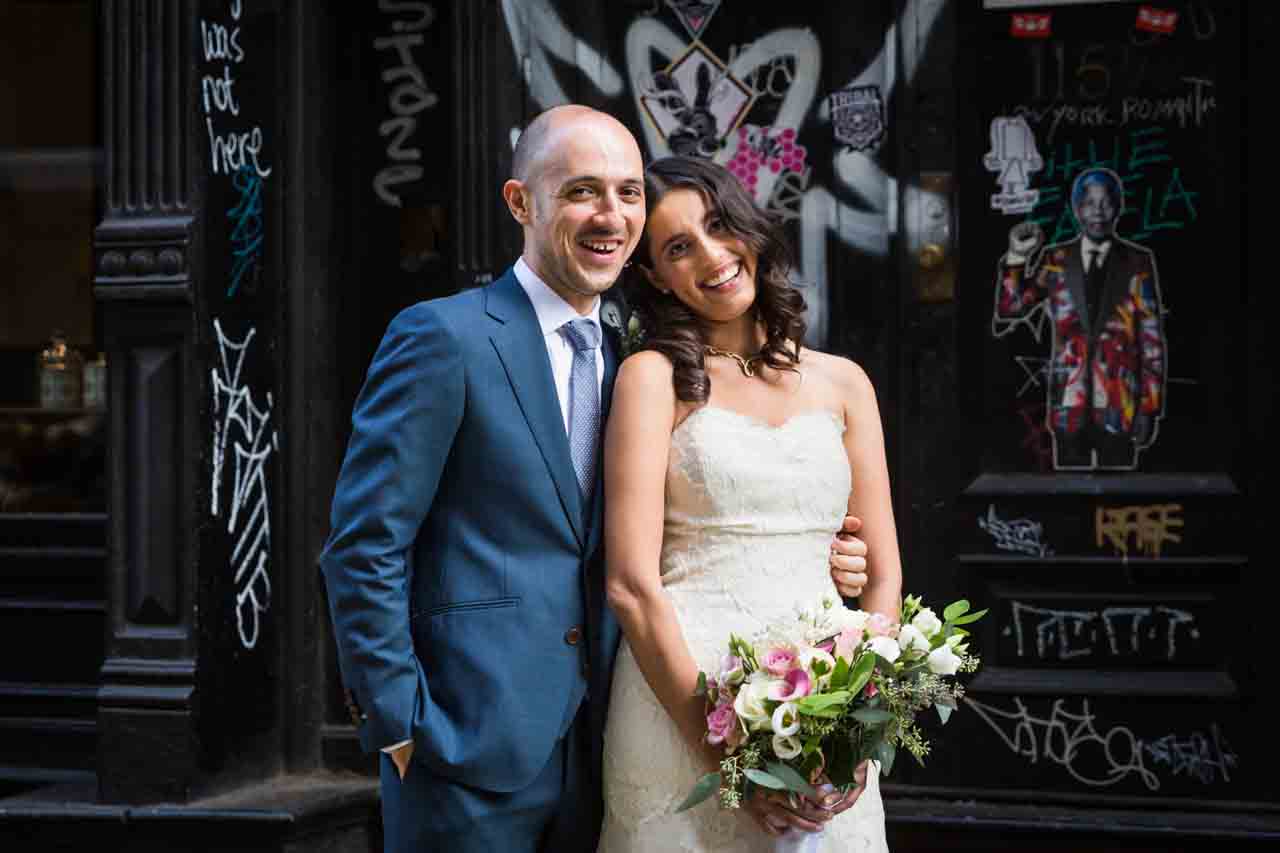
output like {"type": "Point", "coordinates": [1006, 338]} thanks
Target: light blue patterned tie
{"type": "Point", "coordinates": [584, 400]}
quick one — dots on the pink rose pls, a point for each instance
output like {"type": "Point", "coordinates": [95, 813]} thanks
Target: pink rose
{"type": "Point", "coordinates": [720, 724]}
{"type": "Point", "coordinates": [847, 644]}
{"type": "Point", "coordinates": [880, 625]}
{"type": "Point", "coordinates": [871, 690]}
{"type": "Point", "coordinates": [796, 684]}
{"type": "Point", "coordinates": [778, 661]}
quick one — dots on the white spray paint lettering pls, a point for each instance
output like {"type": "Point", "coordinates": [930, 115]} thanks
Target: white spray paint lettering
{"type": "Point", "coordinates": [234, 149]}
{"type": "Point", "coordinates": [1020, 534]}
{"type": "Point", "coordinates": [408, 96]}
{"type": "Point", "coordinates": [1097, 759]}
{"type": "Point", "coordinates": [240, 422]}
{"type": "Point", "coordinates": [1069, 634]}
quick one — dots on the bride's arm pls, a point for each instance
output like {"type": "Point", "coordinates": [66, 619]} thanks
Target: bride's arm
{"type": "Point", "coordinates": [637, 442]}
{"type": "Point", "coordinates": [870, 499]}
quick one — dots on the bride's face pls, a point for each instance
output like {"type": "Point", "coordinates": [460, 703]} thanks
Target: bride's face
{"type": "Point", "coordinates": [698, 260]}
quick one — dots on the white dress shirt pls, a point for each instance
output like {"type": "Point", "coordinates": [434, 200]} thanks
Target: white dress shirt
{"type": "Point", "coordinates": [553, 312]}
{"type": "Point", "coordinates": [1089, 247]}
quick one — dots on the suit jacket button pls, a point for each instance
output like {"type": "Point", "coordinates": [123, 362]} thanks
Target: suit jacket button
{"type": "Point", "coordinates": [573, 636]}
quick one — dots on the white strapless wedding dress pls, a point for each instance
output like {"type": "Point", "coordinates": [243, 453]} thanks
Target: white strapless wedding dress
{"type": "Point", "coordinates": [751, 511]}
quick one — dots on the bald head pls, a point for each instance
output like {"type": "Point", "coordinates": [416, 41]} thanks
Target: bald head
{"type": "Point", "coordinates": [545, 129]}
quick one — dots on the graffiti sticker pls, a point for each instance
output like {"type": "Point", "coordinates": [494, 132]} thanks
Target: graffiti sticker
{"type": "Point", "coordinates": [694, 14]}
{"type": "Point", "coordinates": [857, 117]}
{"type": "Point", "coordinates": [1014, 158]}
{"type": "Point", "coordinates": [1155, 20]}
{"type": "Point", "coordinates": [695, 102]}
{"type": "Point", "coordinates": [1031, 25]}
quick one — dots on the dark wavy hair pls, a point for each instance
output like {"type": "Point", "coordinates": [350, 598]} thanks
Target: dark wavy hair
{"type": "Point", "coordinates": [677, 332]}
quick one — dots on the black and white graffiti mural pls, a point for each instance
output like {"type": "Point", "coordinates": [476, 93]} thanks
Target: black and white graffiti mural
{"type": "Point", "coordinates": [694, 81]}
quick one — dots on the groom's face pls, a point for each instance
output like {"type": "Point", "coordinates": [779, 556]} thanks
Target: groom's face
{"type": "Point", "coordinates": [587, 207]}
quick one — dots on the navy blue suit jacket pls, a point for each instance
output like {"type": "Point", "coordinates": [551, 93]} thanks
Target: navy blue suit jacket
{"type": "Point", "coordinates": [460, 553]}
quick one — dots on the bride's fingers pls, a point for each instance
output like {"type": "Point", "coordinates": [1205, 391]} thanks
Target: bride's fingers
{"type": "Point", "coordinates": [848, 584]}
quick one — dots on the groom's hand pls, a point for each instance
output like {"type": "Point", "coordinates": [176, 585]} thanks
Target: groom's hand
{"type": "Point", "coordinates": [401, 758]}
{"type": "Point", "coordinates": [849, 559]}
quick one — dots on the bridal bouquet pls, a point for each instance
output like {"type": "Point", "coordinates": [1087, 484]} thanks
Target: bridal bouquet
{"type": "Point", "coordinates": [817, 696]}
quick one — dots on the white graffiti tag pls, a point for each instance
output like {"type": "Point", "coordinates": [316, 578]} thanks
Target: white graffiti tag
{"type": "Point", "coordinates": [409, 96]}
{"type": "Point", "coordinates": [1074, 633]}
{"type": "Point", "coordinates": [1099, 759]}
{"type": "Point", "coordinates": [1020, 534]}
{"type": "Point", "coordinates": [239, 421]}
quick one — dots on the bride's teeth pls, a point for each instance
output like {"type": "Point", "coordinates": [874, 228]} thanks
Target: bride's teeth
{"type": "Point", "coordinates": [727, 277]}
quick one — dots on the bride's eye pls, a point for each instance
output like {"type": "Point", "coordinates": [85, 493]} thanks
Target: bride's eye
{"type": "Point", "coordinates": [715, 225]}
{"type": "Point", "coordinates": [676, 250]}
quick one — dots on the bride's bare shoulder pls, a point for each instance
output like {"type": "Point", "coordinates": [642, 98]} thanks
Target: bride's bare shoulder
{"type": "Point", "coordinates": [844, 374]}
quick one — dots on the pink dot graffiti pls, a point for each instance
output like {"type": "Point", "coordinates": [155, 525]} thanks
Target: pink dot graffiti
{"type": "Point", "coordinates": [769, 148]}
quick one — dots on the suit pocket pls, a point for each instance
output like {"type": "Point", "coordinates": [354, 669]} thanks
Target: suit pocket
{"type": "Point", "coordinates": [466, 606]}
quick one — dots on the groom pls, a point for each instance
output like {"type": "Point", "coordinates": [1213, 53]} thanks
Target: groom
{"type": "Point", "coordinates": [463, 568]}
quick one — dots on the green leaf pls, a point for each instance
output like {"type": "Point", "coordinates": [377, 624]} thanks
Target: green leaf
{"type": "Point", "coordinates": [701, 689]}
{"type": "Point", "coordinates": [885, 752]}
{"type": "Point", "coordinates": [822, 701]}
{"type": "Point", "coordinates": [861, 673]}
{"type": "Point", "coordinates": [765, 780]}
{"type": "Point", "coordinates": [704, 788]}
{"type": "Point", "coordinates": [970, 617]}
{"type": "Point", "coordinates": [812, 745]}
{"type": "Point", "coordinates": [944, 712]}
{"type": "Point", "coordinates": [793, 780]}
{"type": "Point", "coordinates": [955, 610]}
{"type": "Point", "coordinates": [872, 716]}
{"type": "Point", "coordinates": [840, 676]}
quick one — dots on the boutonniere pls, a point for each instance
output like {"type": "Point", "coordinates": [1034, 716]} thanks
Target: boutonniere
{"type": "Point", "coordinates": [625, 324]}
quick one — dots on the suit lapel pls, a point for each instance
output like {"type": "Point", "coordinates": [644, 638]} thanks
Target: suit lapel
{"type": "Point", "coordinates": [1115, 286]}
{"type": "Point", "coordinates": [523, 351]}
{"type": "Point", "coordinates": [1075, 283]}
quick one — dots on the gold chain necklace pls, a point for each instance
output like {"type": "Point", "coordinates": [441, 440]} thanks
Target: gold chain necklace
{"type": "Point", "coordinates": [744, 363]}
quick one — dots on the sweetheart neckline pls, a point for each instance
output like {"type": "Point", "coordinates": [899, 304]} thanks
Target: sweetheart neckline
{"type": "Point", "coordinates": [761, 422]}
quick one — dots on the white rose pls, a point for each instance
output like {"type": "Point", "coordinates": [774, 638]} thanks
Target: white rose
{"type": "Point", "coordinates": [786, 719]}
{"type": "Point", "coordinates": [842, 618]}
{"type": "Point", "coordinates": [750, 707]}
{"type": "Point", "coordinates": [885, 647]}
{"type": "Point", "coordinates": [926, 622]}
{"type": "Point", "coordinates": [943, 661]}
{"type": "Point", "coordinates": [910, 639]}
{"type": "Point", "coordinates": [786, 746]}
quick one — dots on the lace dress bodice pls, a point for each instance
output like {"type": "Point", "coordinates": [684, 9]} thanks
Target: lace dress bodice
{"type": "Point", "coordinates": [751, 510]}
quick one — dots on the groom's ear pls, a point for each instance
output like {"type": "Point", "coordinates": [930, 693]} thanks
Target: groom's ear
{"type": "Point", "coordinates": [519, 198]}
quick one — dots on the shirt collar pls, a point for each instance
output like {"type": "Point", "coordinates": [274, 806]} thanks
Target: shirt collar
{"type": "Point", "coordinates": [1095, 245]}
{"type": "Point", "coordinates": [553, 312]}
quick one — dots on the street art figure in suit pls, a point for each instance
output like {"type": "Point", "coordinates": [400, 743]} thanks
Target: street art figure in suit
{"type": "Point", "coordinates": [1106, 373]}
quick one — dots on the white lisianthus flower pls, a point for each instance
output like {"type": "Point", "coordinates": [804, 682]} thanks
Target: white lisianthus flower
{"type": "Point", "coordinates": [786, 719]}
{"type": "Point", "coordinates": [943, 661]}
{"type": "Point", "coordinates": [926, 622]}
{"type": "Point", "coordinates": [910, 639]}
{"type": "Point", "coordinates": [809, 657]}
{"type": "Point", "coordinates": [842, 619]}
{"type": "Point", "coordinates": [750, 704]}
{"type": "Point", "coordinates": [885, 647]}
{"type": "Point", "coordinates": [786, 746]}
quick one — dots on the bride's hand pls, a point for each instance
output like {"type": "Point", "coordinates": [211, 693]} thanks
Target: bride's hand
{"type": "Point", "coordinates": [843, 803]}
{"type": "Point", "coordinates": [775, 813]}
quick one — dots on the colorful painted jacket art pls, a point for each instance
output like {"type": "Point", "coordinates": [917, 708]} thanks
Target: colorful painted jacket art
{"type": "Point", "coordinates": [1108, 370]}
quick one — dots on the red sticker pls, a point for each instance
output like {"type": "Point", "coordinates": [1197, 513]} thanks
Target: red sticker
{"type": "Point", "coordinates": [1030, 26]}
{"type": "Point", "coordinates": [1155, 20]}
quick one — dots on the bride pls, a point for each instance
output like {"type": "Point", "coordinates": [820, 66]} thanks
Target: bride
{"type": "Point", "coordinates": [731, 456]}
